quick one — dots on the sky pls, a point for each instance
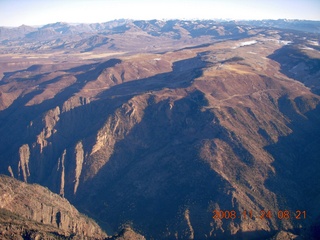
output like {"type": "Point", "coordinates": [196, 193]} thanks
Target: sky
{"type": "Point", "coordinates": [40, 12]}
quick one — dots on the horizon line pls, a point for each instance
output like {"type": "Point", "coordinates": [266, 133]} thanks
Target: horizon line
{"type": "Point", "coordinates": [163, 19]}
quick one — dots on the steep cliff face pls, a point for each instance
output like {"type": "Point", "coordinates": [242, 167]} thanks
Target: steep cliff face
{"type": "Point", "coordinates": [32, 211]}
{"type": "Point", "coordinates": [49, 121]}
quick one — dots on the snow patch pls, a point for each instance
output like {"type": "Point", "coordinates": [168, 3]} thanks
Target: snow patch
{"type": "Point", "coordinates": [242, 44]}
{"type": "Point", "coordinates": [314, 43]}
{"type": "Point", "coordinates": [307, 48]}
{"type": "Point", "coordinates": [247, 43]}
{"type": "Point", "coordinates": [285, 42]}
{"type": "Point", "coordinates": [278, 41]}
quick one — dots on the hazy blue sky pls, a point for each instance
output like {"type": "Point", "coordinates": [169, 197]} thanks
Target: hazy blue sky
{"type": "Point", "coordinates": [38, 12]}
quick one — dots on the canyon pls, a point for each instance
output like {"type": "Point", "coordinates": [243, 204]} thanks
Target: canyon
{"type": "Point", "coordinates": [153, 126]}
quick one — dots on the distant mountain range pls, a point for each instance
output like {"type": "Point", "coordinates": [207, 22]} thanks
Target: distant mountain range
{"type": "Point", "coordinates": [299, 25]}
{"type": "Point", "coordinates": [128, 35]}
{"type": "Point", "coordinates": [152, 27]}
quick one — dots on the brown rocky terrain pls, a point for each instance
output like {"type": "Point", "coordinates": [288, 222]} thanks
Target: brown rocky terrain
{"type": "Point", "coordinates": [127, 234]}
{"type": "Point", "coordinates": [160, 132]}
{"type": "Point", "coordinates": [33, 212]}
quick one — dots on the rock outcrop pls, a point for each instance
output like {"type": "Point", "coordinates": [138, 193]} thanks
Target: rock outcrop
{"type": "Point", "coordinates": [127, 234]}
{"type": "Point", "coordinates": [23, 165]}
{"type": "Point", "coordinates": [33, 212]}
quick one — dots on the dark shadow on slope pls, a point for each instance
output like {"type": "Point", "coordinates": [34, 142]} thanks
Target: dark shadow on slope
{"type": "Point", "coordinates": [16, 130]}
{"type": "Point", "coordinates": [14, 122]}
{"type": "Point", "coordinates": [94, 67]}
{"type": "Point", "coordinates": [297, 166]}
{"type": "Point", "coordinates": [86, 73]}
{"type": "Point", "coordinates": [91, 117]}
{"type": "Point", "coordinates": [152, 176]}
{"type": "Point", "coordinates": [93, 70]}
{"type": "Point", "coordinates": [60, 98]}
{"type": "Point", "coordinates": [156, 173]}
{"type": "Point", "coordinates": [182, 74]}
{"type": "Point", "coordinates": [17, 117]}
{"type": "Point", "coordinates": [299, 66]}
{"type": "Point", "coordinates": [7, 76]}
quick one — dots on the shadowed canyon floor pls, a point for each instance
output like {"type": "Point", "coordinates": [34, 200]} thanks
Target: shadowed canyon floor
{"type": "Point", "coordinates": [162, 126]}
